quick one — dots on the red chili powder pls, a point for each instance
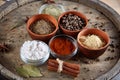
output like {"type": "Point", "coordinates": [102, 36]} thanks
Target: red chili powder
{"type": "Point", "coordinates": [62, 46]}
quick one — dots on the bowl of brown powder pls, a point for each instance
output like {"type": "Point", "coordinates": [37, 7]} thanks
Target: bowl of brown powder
{"type": "Point", "coordinates": [42, 27]}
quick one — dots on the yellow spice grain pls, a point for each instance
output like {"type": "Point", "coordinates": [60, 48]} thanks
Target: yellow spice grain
{"type": "Point", "coordinates": [92, 41]}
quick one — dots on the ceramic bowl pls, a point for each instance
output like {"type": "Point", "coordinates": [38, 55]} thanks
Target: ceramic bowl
{"type": "Point", "coordinates": [74, 32]}
{"type": "Point", "coordinates": [93, 53]}
{"type": "Point", "coordinates": [65, 37]}
{"type": "Point", "coordinates": [43, 37]}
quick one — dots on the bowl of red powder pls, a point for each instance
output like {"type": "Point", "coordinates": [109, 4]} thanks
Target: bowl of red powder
{"type": "Point", "coordinates": [63, 46]}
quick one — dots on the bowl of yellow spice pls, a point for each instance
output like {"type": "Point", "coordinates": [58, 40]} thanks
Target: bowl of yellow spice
{"type": "Point", "coordinates": [93, 42]}
{"type": "Point", "coordinates": [42, 27]}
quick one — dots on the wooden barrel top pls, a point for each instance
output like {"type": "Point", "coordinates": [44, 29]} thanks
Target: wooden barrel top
{"type": "Point", "coordinates": [99, 15]}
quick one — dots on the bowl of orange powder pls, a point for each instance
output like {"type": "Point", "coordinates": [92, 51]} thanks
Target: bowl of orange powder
{"type": "Point", "coordinates": [63, 46]}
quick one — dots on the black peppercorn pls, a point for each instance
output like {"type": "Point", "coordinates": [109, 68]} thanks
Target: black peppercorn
{"type": "Point", "coordinates": [72, 22]}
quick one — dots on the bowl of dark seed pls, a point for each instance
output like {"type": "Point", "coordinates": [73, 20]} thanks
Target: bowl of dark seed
{"type": "Point", "coordinates": [42, 27]}
{"type": "Point", "coordinates": [71, 22]}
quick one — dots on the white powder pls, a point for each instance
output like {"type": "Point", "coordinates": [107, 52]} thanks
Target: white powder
{"type": "Point", "coordinates": [34, 50]}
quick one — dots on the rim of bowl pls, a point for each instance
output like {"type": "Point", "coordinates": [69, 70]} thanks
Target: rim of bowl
{"type": "Point", "coordinates": [107, 44]}
{"type": "Point", "coordinates": [73, 12]}
{"type": "Point", "coordinates": [29, 25]}
{"type": "Point", "coordinates": [45, 5]}
{"type": "Point", "coordinates": [68, 37]}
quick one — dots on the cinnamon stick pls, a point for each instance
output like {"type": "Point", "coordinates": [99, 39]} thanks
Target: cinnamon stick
{"type": "Point", "coordinates": [68, 68]}
{"type": "Point", "coordinates": [64, 71]}
{"type": "Point", "coordinates": [70, 65]}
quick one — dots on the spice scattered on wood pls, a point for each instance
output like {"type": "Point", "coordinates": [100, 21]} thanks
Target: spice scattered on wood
{"type": "Point", "coordinates": [114, 37]}
{"type": "Point", "coordinates": [87, 69]}
{"type": "Point", "coordinates": [72, 22]}
{"type": "Point", "coordinates": [119, 33]}
{"type": "Point", "coordinates": [4, 47]}
{"type": "Point", "coordinates": [112, 45]}
{"type": "Point", "coordinates": [112, 50]}
{"type": "Point", "coordinates": [27, 18]}
{"type": "Point", "coordinates": [109, 49]}
{"type": "Point", "coordinates": [89, 20]}
{"type": "Point", "coordinates": [97, 17]}
{"type": "Point", "coordinates": [117, 46]}
{"type": "Point", "coordinates": [42, 27]}
{"type": "Point", "coordinates": [68, 68]}
{"type": "Point", "coordinates": [104, 29]}
{"type": "Point", "coordinates": [75, 8]}
{"type": "Point", "coordinates": [90, 12]}
{"type": "Point", "coordinates": [87, 61]}
{"type": "Point", "coordinates": [110, 58]}
{"type": "Point", "coordinates": [48, 1]}
{"type": "Point", "coordinates": [62, 46]}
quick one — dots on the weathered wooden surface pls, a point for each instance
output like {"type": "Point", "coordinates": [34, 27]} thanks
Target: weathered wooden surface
{"type": "Point", "coordinates": [94, 68]}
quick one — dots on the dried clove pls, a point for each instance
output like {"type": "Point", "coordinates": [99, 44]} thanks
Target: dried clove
{"type": "Point", "coordinates": [75, 8]}
{"type": "Point", "coordinates": [109, 58]}
{"type": "Point", "coordinates": [112, 45]}
{"type": "Point", "coordinates": [27, 18]}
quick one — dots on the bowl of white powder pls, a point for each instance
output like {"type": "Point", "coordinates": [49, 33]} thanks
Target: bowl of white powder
{"type": "Point", "coordinates": [34, 52]}
{"type": "Point", "coordinates": [93, 42]}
